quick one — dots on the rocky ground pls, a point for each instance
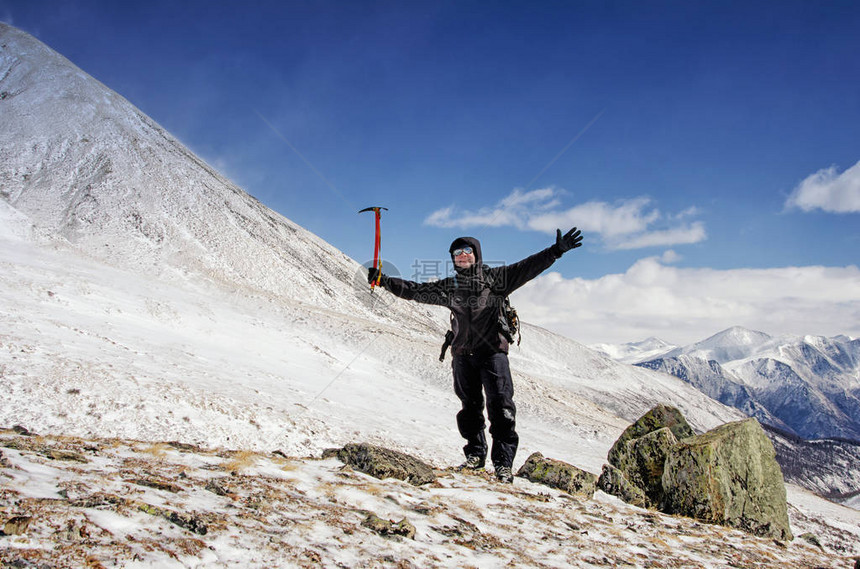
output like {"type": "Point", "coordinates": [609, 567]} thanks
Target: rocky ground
{"type": "Point", "coordinates": [69, 502]}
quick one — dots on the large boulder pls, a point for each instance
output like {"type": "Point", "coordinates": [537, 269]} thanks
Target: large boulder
{"type": "Point", "coordinates": [639, 454]}
{"type": "Point", "coordinates": [660, 417]}
{"type": "Point", "coordinates": [728, 476]}
{"type": "Point", "coordinates": [385, 463]}
{"type": "Point", "coordinates": [558, 474]}
{"type": "Point", "coordinates": [612, 481]}
{"type": "Point", "coordinates": [642, 463]}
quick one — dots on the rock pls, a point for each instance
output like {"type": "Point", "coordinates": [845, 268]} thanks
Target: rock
{"type": "Point", "coordinates": [558, 474]}
{"type": "Point", "coordinates": [17, 525]}
{"type": "Point", "coordinates": [388, 527]}
{"type": "Point", "coordinates": [184, 520]}
{"type": "Point", "coordinates": [330, 453]}
{"type": "Point", "coordinates": [157, 483]}
{"type": "Point", "coordinates": [217, 487]}
{"type": "Point", "coordinates": [189, 522]}
{"type": "Point", "coordinates": [728, 476]}
{"type": "Point", "coordinates": [185, 447]}
{"type": "Point", "coordinates": [99, 499]}
{"type": "Point", "coordinates": [812, 539]}
{"type": "Point", "coordinates": [645, 459]}
{"type": "Point", "coordinates": [612, 481]}
{"type": "Point", "coordinates": [660, 417]}
{"type": "Point", "coordinates": [640, 453]}
{"type": "Point", "coordinates": [69, 455]}
{"type": "Point", "coordinates": [385, 463]}
{"type": "Point", "coordinates": [21, 430]}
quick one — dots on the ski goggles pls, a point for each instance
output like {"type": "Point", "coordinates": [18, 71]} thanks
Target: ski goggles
{"type": "Point", "coordinates": [458, 252]}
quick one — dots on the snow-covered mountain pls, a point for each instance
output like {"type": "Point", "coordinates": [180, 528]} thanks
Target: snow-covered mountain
{"type": "Point", "coordinates": [808, 385]}
{"type": "Point", "coordinates": [733, 344]}
{"type": "Point", "coordinates": [829, 467]}
{"type": "Point", "coordinates": [85, 165]}
{"type": "Point", "coordinates": [144, 296]}
{"type": "Point", "coordinates": [634, 352]}
{"type": "Point", "coordinates": [805, 385]}
{"type": "Point", "coordinates": [712, 379]}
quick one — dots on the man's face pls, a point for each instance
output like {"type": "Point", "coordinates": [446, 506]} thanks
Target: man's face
{"type": "Point", "coordinates": [464, 257]}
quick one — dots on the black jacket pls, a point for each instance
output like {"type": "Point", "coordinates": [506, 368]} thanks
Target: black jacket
{"type": "Point", "coordinates": [475, 296]}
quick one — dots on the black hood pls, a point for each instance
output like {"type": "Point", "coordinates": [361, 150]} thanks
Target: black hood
{"type": "Point", "coordinates": [476, 247]}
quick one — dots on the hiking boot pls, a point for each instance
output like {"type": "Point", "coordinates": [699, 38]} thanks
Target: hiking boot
{"type": "Point", "coordinates": [504, 475]}
{"type": "Point", "coordinates": [473, 462]}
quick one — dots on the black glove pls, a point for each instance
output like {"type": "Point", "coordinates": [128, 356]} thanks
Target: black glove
{"type": "Point", "coordinates": [372, 275]}
{"type": "Point", "coordinates": [570, 240]}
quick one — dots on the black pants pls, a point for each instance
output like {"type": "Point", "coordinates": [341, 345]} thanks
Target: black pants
{"type": "Point", "coordinates": [473, 377]}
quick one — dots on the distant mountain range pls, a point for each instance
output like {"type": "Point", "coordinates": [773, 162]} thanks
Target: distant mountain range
{"type": "Point", "coordinates": [808, 386]}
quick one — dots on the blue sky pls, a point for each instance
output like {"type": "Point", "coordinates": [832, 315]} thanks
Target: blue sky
{"type": "Point", "coordinates": [708, 150]}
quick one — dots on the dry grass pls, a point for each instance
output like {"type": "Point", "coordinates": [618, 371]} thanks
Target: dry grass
{"type": "Point", "coordinates": [158, 450]}
{"type": "Point", "coordinates": [655, 540]}
{"type": "Point", "coordinates": [329, 490]}
{"type": "Point", "coordinates": [376, 490]}
{"type": "Point", "coordinates": [286, 464]}
{"type": "Point", "coordinates": [241, 460]}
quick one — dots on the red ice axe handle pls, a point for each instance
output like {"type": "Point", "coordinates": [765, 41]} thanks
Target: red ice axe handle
{"type": "Point", "coordinates": [377, 243]}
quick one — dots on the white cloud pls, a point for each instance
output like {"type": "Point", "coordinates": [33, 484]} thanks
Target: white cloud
{"type": "Point", "coordinates": [440, 218]}
{"type": "Point", "coordinates": [669, 257]}
{"type": "Point", "coordinates": [683, 305]}
{"type": "Point", "coordinates": [514, 210]}
{"type": "Point", "coordinates": [609, 220]}
{"type": "Point", "coordinates": [625, 224]}
{"type": "Point", "coordinates": [685, 234]}
{"type": "Point", "coordinates": [827, 191]}
{"type": "Point", "coordinates": [542, 199]}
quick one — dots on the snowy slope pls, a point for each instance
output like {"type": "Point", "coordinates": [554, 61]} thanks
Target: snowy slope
{"type": "Point", "coordinates": [86, 165]}
{"type": "Point", "coordinates": [93, 349]}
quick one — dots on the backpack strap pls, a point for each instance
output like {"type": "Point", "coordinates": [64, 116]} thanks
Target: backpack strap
{"type": "Point", "coordinates": [449, 337]}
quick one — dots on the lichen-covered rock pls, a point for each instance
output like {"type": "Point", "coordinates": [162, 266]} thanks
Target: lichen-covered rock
{"type": "Point", "coordinates": [646, 458]}
{"type": "Point", "coordinates": [640, 452]}
{"type": "Point", "coordinates": [16, 526]}
{"type": "Point", "coordinates": [558, 474]}
{"type": "Point", "coordinates": [612, 481]}
{"type": "Point", "coordinates": [660, 417]}
{"type": "Point", "coordinates": [386, 528]}
{"type": "Point", "coordinates": [386, 463]}
{"type": "Point", "coordinates": [191, 522]}
{"type": "Point", "coordinates": [728, 476]}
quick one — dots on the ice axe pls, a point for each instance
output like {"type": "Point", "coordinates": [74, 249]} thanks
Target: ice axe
{"type": "Point", "coordinates": [377, 242]}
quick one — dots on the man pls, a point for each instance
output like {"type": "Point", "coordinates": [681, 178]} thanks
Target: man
{"type": "Point", "coordinates": [475, 294]}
